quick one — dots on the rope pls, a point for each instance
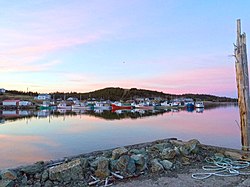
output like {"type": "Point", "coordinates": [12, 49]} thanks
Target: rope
{"type": "Point", "coordinates": [223, 167]}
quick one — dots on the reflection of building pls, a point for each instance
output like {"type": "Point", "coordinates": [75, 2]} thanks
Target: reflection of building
{"type": "Point", "coordinates": [2, 121]}
{"type": "Point", "coordinates": [10, 113]}
{"type": "Point", "coordinates": [43, 113]}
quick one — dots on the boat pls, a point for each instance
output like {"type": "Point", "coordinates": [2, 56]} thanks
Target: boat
{"type": "Point", "coordinates": [63, 105]}
{"type": "Point", "coordinates": [199, 104]}
{"type": "Point", "coordinates": [144, 106]}
{"type": "Point", "coordinates": [83, 106]}
{"type": "Point", "coordinates": [119, 106]}
{"type": "Point", "coordinates": [102, 106]}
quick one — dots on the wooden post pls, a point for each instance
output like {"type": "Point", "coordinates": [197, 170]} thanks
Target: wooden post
{"type": "Point", "coordinates": [242, 80]}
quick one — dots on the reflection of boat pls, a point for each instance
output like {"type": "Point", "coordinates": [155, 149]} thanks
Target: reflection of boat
{"type": "Point", "coordinates": [199, 104]}
{"type": "Point", "coordinates": [120, 106]}
{"type": "Point", "coordinates": [199, 110]}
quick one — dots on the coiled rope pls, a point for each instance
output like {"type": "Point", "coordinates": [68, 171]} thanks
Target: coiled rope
{"type": "Point", "coordinates": [223, 167]}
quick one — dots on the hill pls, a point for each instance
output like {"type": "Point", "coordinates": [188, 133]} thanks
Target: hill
{"type": "Point", "coordinates": [114, 94]}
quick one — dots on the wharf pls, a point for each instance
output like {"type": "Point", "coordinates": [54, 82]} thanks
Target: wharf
{"type": "Point", "coordinates": [167, 162]}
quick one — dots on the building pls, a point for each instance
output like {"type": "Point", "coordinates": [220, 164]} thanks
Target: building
{"type": "Point", "coordinates": [11, 102]}
{"type": "Point", "coordinates": [25, 103]}
{"type": "Point", "coordinates": [44, 97]}
{"type": "Point", "coordinates": [2, 91]}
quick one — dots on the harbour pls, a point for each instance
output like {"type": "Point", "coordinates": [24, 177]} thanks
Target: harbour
{"type": "Point", "coordinates": [30, 136]}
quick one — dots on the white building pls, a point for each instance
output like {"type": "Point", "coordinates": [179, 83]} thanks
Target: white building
{"type": "Point", "coordinates": [2, 90]}
{"type": "Point", "coordinates": [44, 97]}
{"type": "Point", "coordinates": [25, 103]}
{"type": "Point", "coordinates": [11, 102]}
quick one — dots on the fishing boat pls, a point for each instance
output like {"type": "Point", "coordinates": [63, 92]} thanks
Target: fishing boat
{"type": "Point", "coordinates": [83, 106]}
{"type": "Point", "coordinates": [102, 106]}
{"type": "Point", "coordinates": [119, 106]}
{"type": "Point", "coordinates": [144, 106]}
{"type": "Point", "coordinates": [199, 104]}
{"type": "Point", "coordinates": [63, 105]}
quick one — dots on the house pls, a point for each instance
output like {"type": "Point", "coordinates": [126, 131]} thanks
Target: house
{"type": "Point", "coordinates": [2, 91]}
{"type": "Point", "coordinates": [44, 97]}
{"type": "Point", "coordinates": [11, 102]}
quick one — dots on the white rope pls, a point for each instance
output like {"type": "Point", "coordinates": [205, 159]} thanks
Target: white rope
{"type": "Point", "coordinates": [223, 167]}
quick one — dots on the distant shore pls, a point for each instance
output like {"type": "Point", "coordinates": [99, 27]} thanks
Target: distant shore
{"type": "Point", "coordinates": [164, 160]}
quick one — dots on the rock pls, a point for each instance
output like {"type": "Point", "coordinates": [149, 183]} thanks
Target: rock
{"type": "Point", "coordinates": [45, 175]}
{"type": "Point", "coordinates": [168, 153]}
{"type": "Point", "coordinates": [102, 168]}
{"type": "Point", "coordinates": [166, 164]}
{"type": "Point", "coordinates": [185, 161]}
{"type": "Point", "coordinates": [140, 161]}
{"type": "Point", "coordinates": [126, 165]}
{"type": "Point", "coordinates": [107, 154]}
{"type": "Point", "coordinates": [37, 184]}
{"type": "Point", "coordinates": [184, 150]}
{"type": "Point", "coordinates": [24, 180]}
{"type": "Point", "coordinates": [156, 167]}
{"type": "Point", "coordinates": [66, 171]}
{"type": "Point", "coordinates": [113, 165]}
{"type": "Point", "coordinates": [84, 163]}
{"type": "Point", "coordinates": [48, 183]}
{"type": "Point", "coordinates": [8, 175]}
{"type": "Point", "coordinates": [7, 183]}
{"type": "Point", "coordinates": [116, 153]}
{"type": "Point", "coordinates": [33, 169]}
{"type": "Point", "coordinates": [234, 155]}
{"type": "Point", "coordinates": [193, 145]}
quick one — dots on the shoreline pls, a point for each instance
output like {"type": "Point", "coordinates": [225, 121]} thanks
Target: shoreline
{"type": "Point", "coordinates": [135, 163]}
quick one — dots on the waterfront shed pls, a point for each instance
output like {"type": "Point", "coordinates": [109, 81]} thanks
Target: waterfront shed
{"type": "Point", "coordinates": [44, 97]}
{"type": "Point", "coordinates": [11, 102]}
{"type": "Point", "coordinates": [25, 103]}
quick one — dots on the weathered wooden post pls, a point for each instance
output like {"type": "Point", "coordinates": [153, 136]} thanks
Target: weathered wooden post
{"type": "Point", "coordinates": [242, 80]}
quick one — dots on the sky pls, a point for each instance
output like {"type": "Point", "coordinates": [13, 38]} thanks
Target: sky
{"type": "Point", "coordinates": [173, 46]}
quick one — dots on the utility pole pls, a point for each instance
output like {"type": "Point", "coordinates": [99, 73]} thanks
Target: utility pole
{"type": "Point", "coordinates": [242, 79]}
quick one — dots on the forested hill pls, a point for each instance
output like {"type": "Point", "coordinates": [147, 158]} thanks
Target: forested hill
{"type": "Point", "coordinates": [114, 94]}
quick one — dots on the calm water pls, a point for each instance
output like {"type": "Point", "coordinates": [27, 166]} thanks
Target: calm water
{"type": "Point", "coordinates": [27, 137]}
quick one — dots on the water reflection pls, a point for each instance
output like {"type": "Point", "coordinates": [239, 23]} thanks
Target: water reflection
{"type": "Point", "coordinates": [29, 136]}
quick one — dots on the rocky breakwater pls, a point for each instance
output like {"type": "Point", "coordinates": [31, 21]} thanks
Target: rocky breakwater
{"type": "Point", "coordinates": [104, 168]}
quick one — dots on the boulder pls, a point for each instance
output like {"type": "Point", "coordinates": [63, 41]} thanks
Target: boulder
{"type": "Point", "coordinates": [102, 168]}
{"type": "Point", "coordinates": [7, 183]}
{"type": "Point", "coordinates": [126, 165]}
{"type": "Point", "coordinates": [168, 153]}
{"type": "Point", "coordinates": [116, 153]}
{"type": "Point", "coordinates": [166, 164]}
{"type": "Point", "coordinates": [140, 161]}
{"type": "Point", "coordinates": [156, 167]}
{"type": "Point", "coordinates": [66, 171]}
{"type": "Point", "coordinates": [33, 169]}
{"type": "Point", "coordinates": [8, 175]}
{"type": "Point", "coordinates": [193, 145]}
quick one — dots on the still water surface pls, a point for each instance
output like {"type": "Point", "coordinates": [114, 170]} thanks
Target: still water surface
{"type": "Point", "coordinates": [45, 135]}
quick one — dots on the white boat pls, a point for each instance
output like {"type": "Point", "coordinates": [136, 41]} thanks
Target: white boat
{"type": "Point", "coordinates": [63, 105]}
{"type": "Point", "coordinates": [82, 106]}
{"type": "Point", "coordinates": [199, 104]}
{"type": "Point", "coordinates": [102, 106]}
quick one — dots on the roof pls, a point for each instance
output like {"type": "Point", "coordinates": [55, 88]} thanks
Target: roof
{"type": "Point", "coordinates": [11, 100]}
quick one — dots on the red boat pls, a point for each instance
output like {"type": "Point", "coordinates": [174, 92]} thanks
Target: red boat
{"type": "Point", "coordinates": [120, 106]}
